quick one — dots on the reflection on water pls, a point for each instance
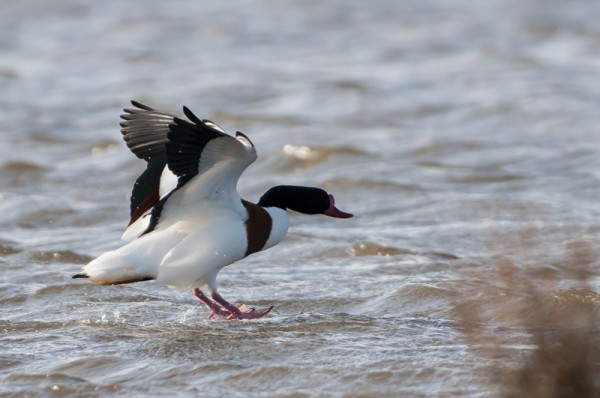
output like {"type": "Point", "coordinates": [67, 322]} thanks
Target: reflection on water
{"type": "Point", "coordinates": [459, 134]}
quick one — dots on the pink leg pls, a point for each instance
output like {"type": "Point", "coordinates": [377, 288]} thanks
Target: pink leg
{"type": "Point", "coordinates": [230, 311]}
{"type": "Point", "coordinates": [240, 311]}
{"type": "Point", "coordinates": [216, 309]}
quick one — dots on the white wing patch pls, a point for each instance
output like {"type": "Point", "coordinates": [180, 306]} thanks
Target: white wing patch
{"type": "Point", "coordinates": [228, 151]}
{"type": "Point", "coordinates": [220, 166]}
{"type": "Point", "coordinates": [138, 227]}
{"type": "Point", "coordinates": [168, 182]}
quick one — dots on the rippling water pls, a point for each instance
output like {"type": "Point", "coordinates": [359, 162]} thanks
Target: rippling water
{"type": "Point", "coordinates": [456, 131]}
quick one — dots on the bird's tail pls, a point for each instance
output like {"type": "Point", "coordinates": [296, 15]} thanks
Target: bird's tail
{"type": "Point", "coordinates": [110, 269]}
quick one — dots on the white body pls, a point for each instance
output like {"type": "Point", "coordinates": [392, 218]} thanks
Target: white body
{"type": "Point", "coordinates": [185, 252]}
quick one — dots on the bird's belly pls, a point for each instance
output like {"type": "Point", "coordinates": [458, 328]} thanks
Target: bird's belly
{"type": "Point", "coordinates": [196, 260]}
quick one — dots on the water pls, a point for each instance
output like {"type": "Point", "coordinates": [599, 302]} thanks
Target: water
{"type": "Point", "coordinates": [456, 131]}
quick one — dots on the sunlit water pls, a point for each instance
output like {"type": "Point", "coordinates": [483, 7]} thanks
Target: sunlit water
{"type": "Point", "coordinates": [453, 130]}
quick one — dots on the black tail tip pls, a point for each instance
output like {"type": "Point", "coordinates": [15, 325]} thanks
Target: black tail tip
{"type": "Point", "coordinates": [84, 276]}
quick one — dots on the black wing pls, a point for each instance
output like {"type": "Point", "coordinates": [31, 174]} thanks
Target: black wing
{"type": "Point", "coordinates": [145, 132]}
{"type": "Point", "coordinates": [163, 139]}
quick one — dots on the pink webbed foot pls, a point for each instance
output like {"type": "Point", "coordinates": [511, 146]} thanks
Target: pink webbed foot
{"type": "Point", "coordinates": [244, 312]}
{"type": "Point", "coordinates": [222, 308]}
{"type": "Point", "coordinates": [240, 311]}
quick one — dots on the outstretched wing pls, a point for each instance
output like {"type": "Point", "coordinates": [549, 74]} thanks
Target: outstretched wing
{"type": "Point", "coordinates": [190, 149]}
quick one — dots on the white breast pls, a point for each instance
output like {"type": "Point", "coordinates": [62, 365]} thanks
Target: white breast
{"type": "Point", "coordinates": [280, 226]}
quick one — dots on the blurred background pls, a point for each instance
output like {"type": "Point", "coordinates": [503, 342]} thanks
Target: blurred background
{"type": "Point", "coordinates": [457, 132]}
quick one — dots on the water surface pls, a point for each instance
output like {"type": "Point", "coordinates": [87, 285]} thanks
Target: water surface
{"type": "Point", "coordinates": [457, 132]}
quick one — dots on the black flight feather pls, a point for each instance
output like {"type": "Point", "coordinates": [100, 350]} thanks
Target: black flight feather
{"type": "Point", "coordinates": [186, 143]}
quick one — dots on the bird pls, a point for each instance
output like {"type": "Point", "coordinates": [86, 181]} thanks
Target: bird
{"type": "Point", "coordinates": [187, 220]}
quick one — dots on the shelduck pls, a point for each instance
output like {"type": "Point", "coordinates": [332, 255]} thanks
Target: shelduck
{"type": "Point", "coordinates": [187, 218]}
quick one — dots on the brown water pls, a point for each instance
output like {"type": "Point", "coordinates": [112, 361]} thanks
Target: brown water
{"type": "Point", "coordinates": [455, 131]}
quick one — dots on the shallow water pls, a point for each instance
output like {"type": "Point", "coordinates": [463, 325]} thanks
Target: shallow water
{"type": "Point", "coordinates": [456, 132]}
